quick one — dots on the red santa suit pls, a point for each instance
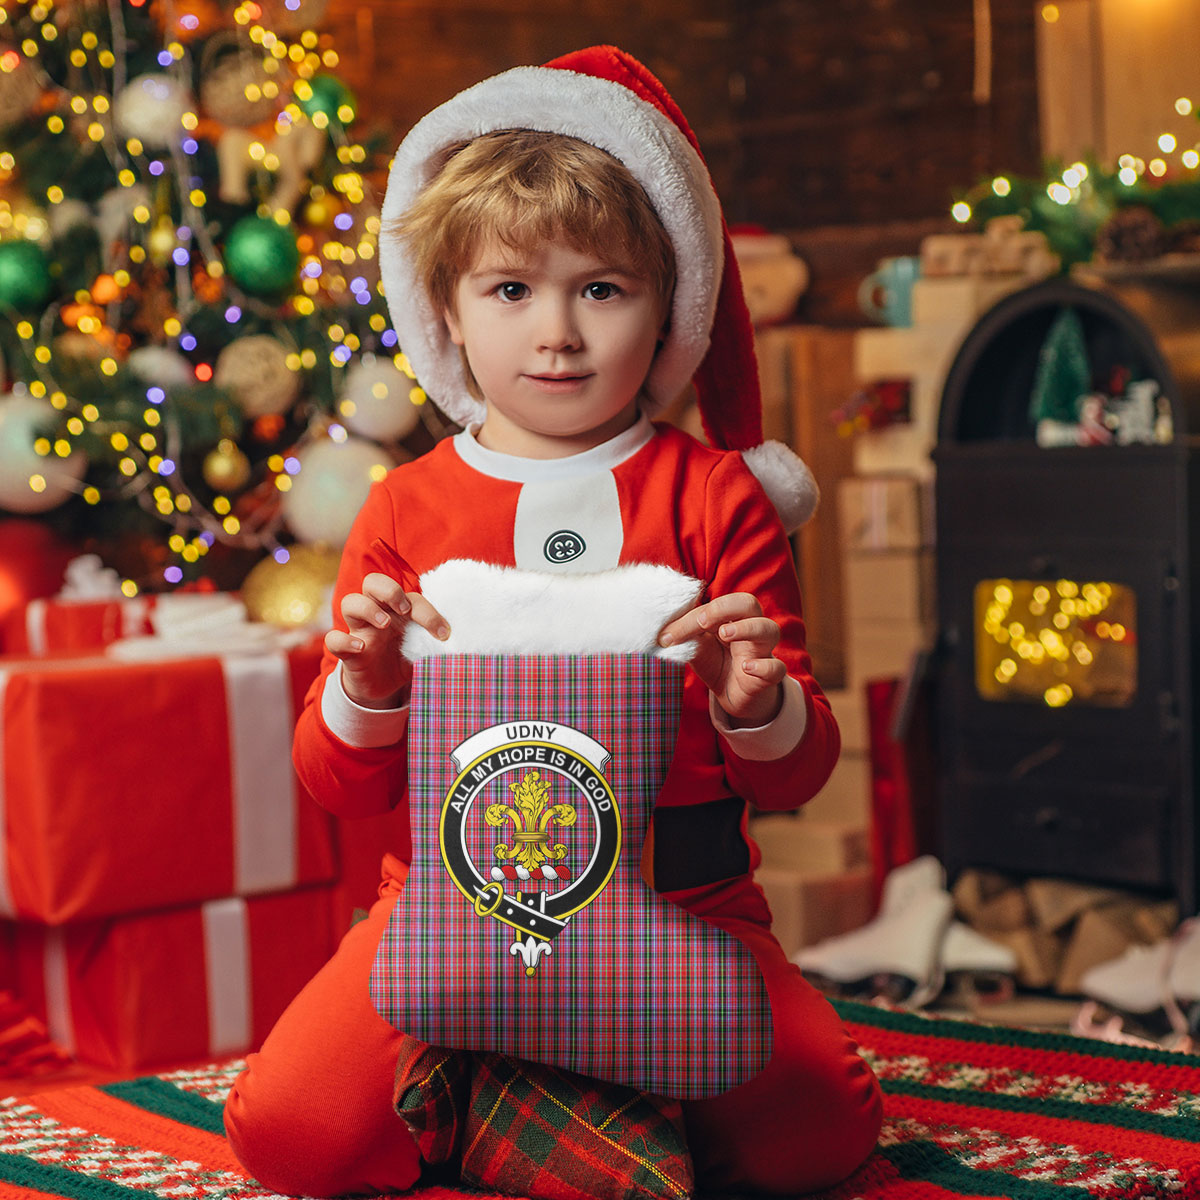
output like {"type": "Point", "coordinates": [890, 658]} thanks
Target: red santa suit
{"type": "Point", "coordinates": [651, 495]}
{"type": "Point", "coordinates": [313, 1111]}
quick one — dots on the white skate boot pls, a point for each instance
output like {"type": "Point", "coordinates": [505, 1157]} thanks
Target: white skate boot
{"type": "Point", "coordinates": [898, 953]}
{"type": "Point", "coordinates": [979, 966]}
{"type": "Point", "coordinates": [1155, 987]}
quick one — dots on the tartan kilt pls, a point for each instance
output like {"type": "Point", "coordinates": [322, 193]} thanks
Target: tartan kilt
{"type": "Point", "coordinates": [525, 927]}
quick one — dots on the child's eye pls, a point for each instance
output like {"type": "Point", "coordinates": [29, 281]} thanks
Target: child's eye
{"type": "Point", "coordinates": [601, 291]}
{"type": "Point", "coordinates": [512, 291]}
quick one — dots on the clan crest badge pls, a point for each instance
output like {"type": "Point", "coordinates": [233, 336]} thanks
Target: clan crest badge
{"type": "Point", "coordinates": [530, 829]}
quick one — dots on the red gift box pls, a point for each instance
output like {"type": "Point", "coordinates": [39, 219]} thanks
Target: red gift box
{"type": "Point", "coordinates": [172, 987]}
{"type": "Point", "coordinates": [131, 786]}
{"type": "Point", "coordinates": [52, 625]}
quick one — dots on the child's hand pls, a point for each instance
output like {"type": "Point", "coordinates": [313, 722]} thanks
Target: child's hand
{"type": "Point", "coordinates": [373, 672]}
{"type": "Point", "coordinates": [734, 656]}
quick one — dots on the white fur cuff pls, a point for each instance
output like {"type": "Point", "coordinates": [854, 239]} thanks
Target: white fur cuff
{"type": "Point", "coordinates": [503, 610]}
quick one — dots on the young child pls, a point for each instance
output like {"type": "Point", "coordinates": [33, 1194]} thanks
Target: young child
{"type": "Point", "coordinates": [558, 270]}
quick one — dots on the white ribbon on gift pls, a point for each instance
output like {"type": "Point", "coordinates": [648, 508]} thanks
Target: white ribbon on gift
{"type": "Point", "coordinates": [258, 695]}
{"type": "Point", "coordinates": [227, 975]}
{"type": "Point", "coordinates": [35, 626]}
{"type": "Point", "coordinates": [56, 979]}
{"type": "Point", "coordinates": [226, 972]}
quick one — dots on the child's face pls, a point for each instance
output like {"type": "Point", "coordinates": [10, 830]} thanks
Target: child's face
{"type": "Point", "coordinates": [559, 342]}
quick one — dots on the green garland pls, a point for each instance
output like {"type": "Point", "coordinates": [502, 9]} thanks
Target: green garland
{"type": "Point", "coordinates": [1071, 228]}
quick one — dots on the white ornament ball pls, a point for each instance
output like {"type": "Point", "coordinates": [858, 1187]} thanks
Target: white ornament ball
{"type": "Point", "coordinates": [66, 215]}
{"type": "Point", "coordinates": [229, 83]}
{"type": "Point", "coordinates": [114, 215]}
{"type": "Point", "coordinates": [255, 370]}
{"type": "Point", "coordinates": [375, 400]}
{"type": "Point", "coordinates": [161, 366]}
{"type": "Point", "coordinates": [151, 108]}
{"type": "Point", "coordinates": [29, 482]}
{"type": "Point", "coordinates": [330, 487]}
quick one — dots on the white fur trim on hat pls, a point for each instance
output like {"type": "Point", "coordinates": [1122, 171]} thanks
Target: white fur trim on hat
{"type": "Point", "coordinates": [786, 479]}
{"type": "Point", "coordinates": [604, 114]}
{"type": "Point", "coordinates": [619, 611]}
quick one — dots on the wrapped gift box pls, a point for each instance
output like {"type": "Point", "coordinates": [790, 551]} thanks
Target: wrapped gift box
{"type": "Point", "coordinates": [807, 908]}
{"type": "Point", "coordinates": [885, 512]}
{"type": "Point", "coordinates": [888, 586]}
{"type": "Point", "coordinates": [52, 625]}
{"type": "Point", "coordinates": [184, 985]}
{"type": "Point", "coordinates": [130, 786]}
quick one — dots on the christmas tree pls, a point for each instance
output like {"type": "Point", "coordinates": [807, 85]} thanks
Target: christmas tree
{"type": "Point", "coordinates": [196, 357]}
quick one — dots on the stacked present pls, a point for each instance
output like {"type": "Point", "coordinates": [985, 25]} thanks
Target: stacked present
{"type": "Point", "coordinates": [816, 875]}
{"type": "Point", "coordinates": [167, 884]}
{"type": "Point", "coordinates": [887, 574]}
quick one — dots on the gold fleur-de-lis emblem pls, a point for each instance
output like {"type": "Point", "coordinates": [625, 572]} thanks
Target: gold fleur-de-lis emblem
{"type": "Point", "coordinates": [531, 815]}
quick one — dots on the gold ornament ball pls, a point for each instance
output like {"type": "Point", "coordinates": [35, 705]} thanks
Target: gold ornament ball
{"type": "Point", "coordinates": [162, 242]}
{"type": "Point", "coordinates": [255, 370]}
{"type": "Point", "coordinates": [226, 468]}
{"type": "Point", "coordinates": [295, 593]}
{"type": "Point", "coordinates": [317, 213]}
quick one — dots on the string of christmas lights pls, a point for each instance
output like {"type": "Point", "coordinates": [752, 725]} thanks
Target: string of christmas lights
{"type": "Point", "coordinates": [1075, 203]}
{"type": "Point", "coordinates": [191, 321]}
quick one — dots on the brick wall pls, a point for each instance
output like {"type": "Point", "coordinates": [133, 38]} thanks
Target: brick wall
{"type": "Point", "coordinates": [810, 113]}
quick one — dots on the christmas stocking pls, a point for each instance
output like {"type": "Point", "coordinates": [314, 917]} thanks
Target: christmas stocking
{"type": "Point", "coordinates": [525, 926]}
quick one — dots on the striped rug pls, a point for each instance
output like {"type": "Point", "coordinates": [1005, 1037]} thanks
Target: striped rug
{"type": "Point", "coordinates": [971, 1111]}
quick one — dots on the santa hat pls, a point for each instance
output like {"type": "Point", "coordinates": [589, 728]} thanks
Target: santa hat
{"type": "Point", "coordinates": [607, 98]}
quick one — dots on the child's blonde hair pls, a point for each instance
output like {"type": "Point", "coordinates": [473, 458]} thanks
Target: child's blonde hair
{"type": "Point", "coordinates": [521, 188]}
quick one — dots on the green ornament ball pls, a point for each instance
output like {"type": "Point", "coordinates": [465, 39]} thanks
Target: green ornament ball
{"type": "Point", "coordinates": [262, 256]}
{"type": "Point", "coordinates": [24, 275]}
{"type": "Point", "coordinates": [328, 95]}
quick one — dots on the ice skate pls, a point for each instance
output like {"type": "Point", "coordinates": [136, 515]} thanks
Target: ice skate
{"type": "Point", "coordinates": [978, 965]}
{"type": "Point", "coordinates": [898, 953]}
{"type": "Point", "coordinates": [1154, 989]}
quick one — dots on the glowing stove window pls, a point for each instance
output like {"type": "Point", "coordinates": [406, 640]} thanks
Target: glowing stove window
{"type": "Point", "coordinates": [1056, 642]}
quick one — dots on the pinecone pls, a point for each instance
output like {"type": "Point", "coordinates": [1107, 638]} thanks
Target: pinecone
{"type": "Point", "coordinates": [1132, 234]}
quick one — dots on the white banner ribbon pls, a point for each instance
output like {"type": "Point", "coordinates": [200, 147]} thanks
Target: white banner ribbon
{"type": "Point", "coordinates": [227, 975]}
{"type": "Point", "coordinates": [258, 697]}
{"type": "Point", "coordinates": [513, 735]}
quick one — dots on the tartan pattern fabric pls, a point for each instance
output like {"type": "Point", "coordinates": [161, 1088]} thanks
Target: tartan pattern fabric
{"type": "Point", "coordinates": [633, 989]}
{"type": "Point", "coordinates": [432, 1087]}
{"type": "Point", "coordinates": [530, 1130]}
{"type": "Point", "coordinates": [536, 1131]}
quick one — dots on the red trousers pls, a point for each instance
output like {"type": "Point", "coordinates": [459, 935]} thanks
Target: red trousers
{"type": "Point", "coordinates": [312, 1112]}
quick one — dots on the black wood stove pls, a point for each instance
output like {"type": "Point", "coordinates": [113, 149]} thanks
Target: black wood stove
{"type": "Point", "coordinates": [1068, 656]}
